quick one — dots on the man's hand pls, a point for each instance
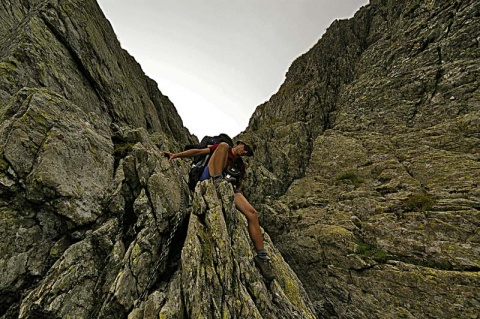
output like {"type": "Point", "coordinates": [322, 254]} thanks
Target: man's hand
{"type": "Point", "coordinates": [169, 155]}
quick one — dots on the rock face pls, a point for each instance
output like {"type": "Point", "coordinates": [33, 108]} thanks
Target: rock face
{"type": "Point", "coordinates": [218, 278]}
{"type": "Point", "coordinates": [94, 221]}
{"type": "Point", "coordinates": [367, 163]}
{"type": "Point", "coordinates": [365, 176]}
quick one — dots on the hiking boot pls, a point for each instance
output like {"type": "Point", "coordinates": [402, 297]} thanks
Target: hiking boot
{"type": "Point", "coordinates": [265, 266]}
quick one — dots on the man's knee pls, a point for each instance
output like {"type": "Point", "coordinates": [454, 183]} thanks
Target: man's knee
{"type": "Point", "coordinates": [221, 151]}
{"type": "Point", "coordinates": [252, 214]}
{"type": "Point", "coordinates": [222, 146]}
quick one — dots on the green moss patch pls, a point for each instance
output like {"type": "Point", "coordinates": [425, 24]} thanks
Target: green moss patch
{"type": "Point", "coordinates": [350, 177]}
{"type": "Point", "coordinates": [373, 252]}
{"type": "Point", "coordinates": [419, 202]}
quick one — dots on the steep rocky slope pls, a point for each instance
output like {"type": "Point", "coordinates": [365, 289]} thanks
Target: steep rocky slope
{"type": "Point", "coordinates": [367, 163]}
{"type": "Point", "coordinates": [365, 175]}
{"type": "Point", "coordinates": [94, 221]}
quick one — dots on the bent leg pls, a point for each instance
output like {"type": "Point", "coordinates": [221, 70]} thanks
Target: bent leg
{"type": "Point", "coordinates": [219, 158]}
{"type": "Point", "coordinates": [251, 214]}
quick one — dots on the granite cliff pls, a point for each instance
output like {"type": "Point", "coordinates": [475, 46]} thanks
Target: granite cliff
{"type": "Point", "coordinates": [365, 176]}
{"type": "Point", "coordinates": [95, 222]}
{"type": "Point", "coordinates": [367, 164]}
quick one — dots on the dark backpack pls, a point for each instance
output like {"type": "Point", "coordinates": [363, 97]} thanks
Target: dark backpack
{"type": "Point", "coordinates": [199, 162]}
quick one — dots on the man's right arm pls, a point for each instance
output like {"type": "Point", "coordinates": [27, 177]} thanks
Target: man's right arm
{"type": "Point", "coordinates": [188, 153]}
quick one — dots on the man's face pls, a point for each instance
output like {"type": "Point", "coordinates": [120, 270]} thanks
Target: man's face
{"type": "Point", "coordinates": [241, 149]}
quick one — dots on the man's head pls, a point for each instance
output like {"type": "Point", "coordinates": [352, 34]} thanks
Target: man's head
{"type": "Point", "coordinates": [244, 148]}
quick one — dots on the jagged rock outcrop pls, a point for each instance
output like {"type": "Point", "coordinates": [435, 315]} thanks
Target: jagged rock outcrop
{"type": "Point", "coordinates": [217, 277]}
{"type": "Point", "coordinates": [95, 221]}
{"type": "Point", "coordinates": [367, 163]}
{"type": "Point", "coordinates": [365, 175]}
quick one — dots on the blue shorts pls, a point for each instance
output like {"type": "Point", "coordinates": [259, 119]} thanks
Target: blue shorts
{"type": "Point", "coordinates": [205, 175]}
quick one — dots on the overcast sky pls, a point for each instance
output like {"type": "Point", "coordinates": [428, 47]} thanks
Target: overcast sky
{"type": "Point", "coordinates": [217, 60]}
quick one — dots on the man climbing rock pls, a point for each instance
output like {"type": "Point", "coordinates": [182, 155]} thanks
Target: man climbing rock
{"type": "Point", "coordinates": [226, 166]}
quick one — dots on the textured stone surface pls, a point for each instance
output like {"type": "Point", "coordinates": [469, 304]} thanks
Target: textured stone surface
{"type": "Point", "coordinates": [380, 217]}
{"type": "Point", "coordinates": [93, 219]}
{"type": "Point", "coordinates": [218, 275]}
{"type": "Point", "coordinates": [365, 176]}
{"type": "Point", "coordinates": [84, 191]}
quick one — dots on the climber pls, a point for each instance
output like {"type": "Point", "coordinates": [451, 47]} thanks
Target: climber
{"type": "Point", "coordinates": [224, 163]}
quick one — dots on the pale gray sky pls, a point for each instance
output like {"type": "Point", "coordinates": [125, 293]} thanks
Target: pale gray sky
{"type": "Point", "coordinates": [217, 60]}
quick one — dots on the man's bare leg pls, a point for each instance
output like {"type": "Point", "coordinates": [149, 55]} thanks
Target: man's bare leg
{"type": "Point", "coordinates": [261, 260]}
{"type": "Point", "coordinates": [251, 214]}
{"type": "Point", "coordinates": [219, 158]}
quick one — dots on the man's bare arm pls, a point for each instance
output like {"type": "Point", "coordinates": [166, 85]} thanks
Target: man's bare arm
{"type": "Point", "coordinates": [188, 153]}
